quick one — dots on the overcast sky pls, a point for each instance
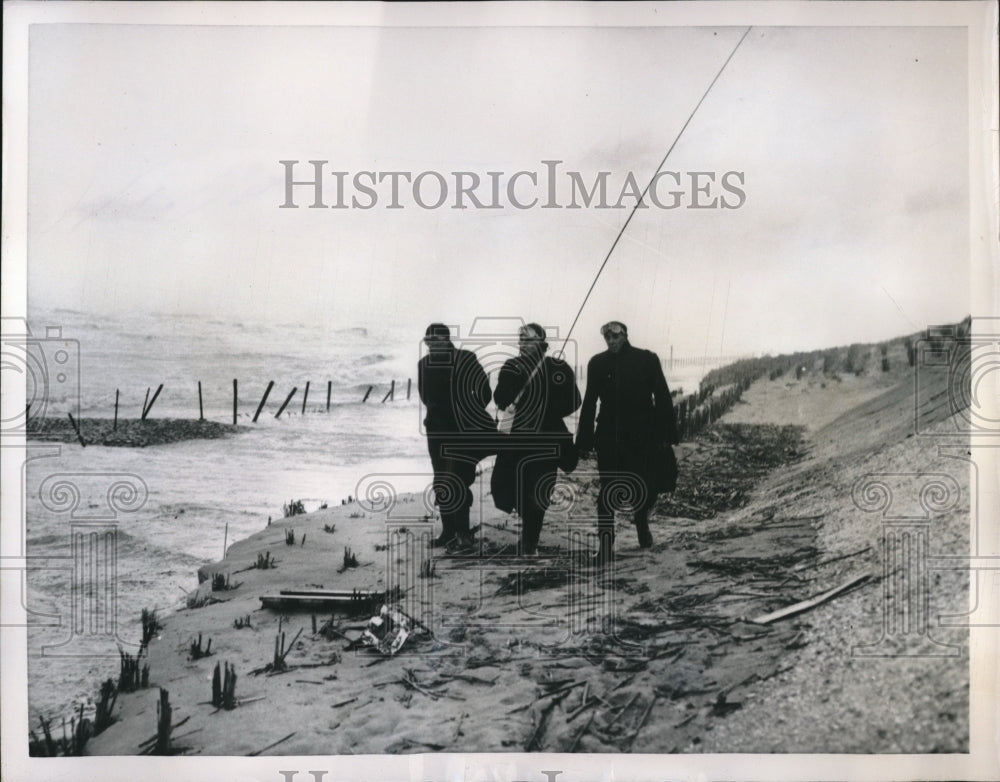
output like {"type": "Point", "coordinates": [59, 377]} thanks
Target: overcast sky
{"type": "Point", "coordinates": [154, 181]}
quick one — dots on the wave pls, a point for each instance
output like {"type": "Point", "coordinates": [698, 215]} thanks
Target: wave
{"type": "Point", "coordinates": [373, 358]}
{"type": "Point", "coordinates": [357, 331]}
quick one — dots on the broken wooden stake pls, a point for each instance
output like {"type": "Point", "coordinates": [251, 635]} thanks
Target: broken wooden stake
{"type": "Point", "coordinates": [147, 407]}
{"type": "Point", "coordinates": [642, 720]}
{"type": "Point", "coordinates": [76, 428]}
{"type": "Point", "coordinates": [163, 726]}
{"type": "Point", "coordinates": [621, 711]}
{"type": "Point", "coordinates": [272, 745]}
{"type": "Point", "coordinates": [576, 740]}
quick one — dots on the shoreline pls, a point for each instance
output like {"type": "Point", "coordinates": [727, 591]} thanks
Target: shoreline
{"type": "Point", "coordinates": [128, 432]}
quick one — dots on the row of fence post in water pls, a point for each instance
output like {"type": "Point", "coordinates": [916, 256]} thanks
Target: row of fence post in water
{"type": "Point", "coordinates": [147, 405]}
{"type": "Point", "coordinates": [692, 412]}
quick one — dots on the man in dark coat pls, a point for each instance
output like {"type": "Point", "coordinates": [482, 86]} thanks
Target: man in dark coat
{"type": "Point", "coordinates": [542, 390]}
{"type": "Point", "coordinates": [455, 390]}
{"type": "Point", "coordinates": [635, 431]}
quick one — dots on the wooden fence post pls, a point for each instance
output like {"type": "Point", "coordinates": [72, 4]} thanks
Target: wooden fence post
{"type": "Point", "coordinates": [235, 398]}
{"type": "Point", "coordinates": [201, 407]}
{"type": "Point", "coordinates": [409, 382]}
{"type": "Point", "coordinates": [263, 399]}
{"type": "Point", "coordinates": [116, 411]}
{"type": "Point", "coordinates": [305, 397]}
{"type": "Point", "coordinates": [76, 428]}
{"type": "Point", "coordinates": [285, 403]}
{"type": "Point", "coordinates": [367, 393]}
{"type": "Point", "coordinates": [147, 408]}
{"type": "Point", "coordinates": [392, 391]}
{"type": "Point", "coordinates": [329, 390]}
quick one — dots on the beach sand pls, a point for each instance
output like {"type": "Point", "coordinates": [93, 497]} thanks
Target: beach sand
{"type": "Point", "coordinates": [542, 654]}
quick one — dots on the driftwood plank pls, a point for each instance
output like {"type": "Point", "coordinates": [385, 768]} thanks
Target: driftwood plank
{"type": "Point", "coordinates": [805, 605]}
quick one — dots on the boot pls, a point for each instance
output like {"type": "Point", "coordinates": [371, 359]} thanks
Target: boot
{"type": "Point", "coordinates": [447, 535]}
{"type": "Point", "coordinates": [442, 540]}
{"type": "Point", "coordinates": [642, 530]}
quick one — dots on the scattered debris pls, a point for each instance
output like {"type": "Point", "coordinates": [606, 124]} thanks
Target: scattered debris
{"type": "Point", "coordinates": [150, 625]}
{"type": "Point", "coordinates": [293, 508]}
{"type": "Point", "coordinates": [224, 689]}
{"type": "Point", "coordinates": [164, 713]}
{"type": "Point", "coordinates": [221, 583]}
{"type": "Point", "coordinates": [722, 707]}
{"type": "Point", "coordinates": [106, 704]}
{"type": "Point", "coordinates": [349, 560]}
{"type": "Point", "coordinates": [386, 632]}
{"type": "Point", "coordinates": [197, 652]}
{"type": "Point", "coordinates": [196, 600]}
{"type": "Point", "coordinates": [741, 454]}
{"type": "Point", "coordinates": [131, 677]}
{"type": "Point", "coordinates": [576, 739]}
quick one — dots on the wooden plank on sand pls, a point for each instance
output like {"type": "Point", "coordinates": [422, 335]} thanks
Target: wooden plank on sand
{"type": "Point", "coordinates": [805, 605]}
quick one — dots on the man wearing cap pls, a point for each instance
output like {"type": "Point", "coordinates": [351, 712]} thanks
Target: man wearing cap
{"type": "Point", "coordinates": [542, 391]}
{"type": "Point", "coordinates": [455, 390]}
{"type": "Point", "coordinates": [634, 433]}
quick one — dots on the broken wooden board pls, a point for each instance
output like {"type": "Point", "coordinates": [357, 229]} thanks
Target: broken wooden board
{"type": "Point", "coordinates": [805, 605]}
{"type": "Point", "coordinates": [292, 599]}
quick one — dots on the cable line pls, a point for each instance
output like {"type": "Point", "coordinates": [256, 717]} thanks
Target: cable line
{"type": "Point", "coordinates": [646, 190]}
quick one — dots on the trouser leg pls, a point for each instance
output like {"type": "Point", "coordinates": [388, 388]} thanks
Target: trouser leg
{"type": "Point", "coordinates": [454, 474]}
{"type": "Point", "coordinates": [531, 528]}
{"type": "Point", "coordinates": [641, 514]}
{"type": "Point", "coordinates": [605, 513]}
{"type": "Point", "coordinates": [537, 478]}
{"type": "Point", "coordinates": [444, 489]}
{"type": "Point", "coordinates": [605, 526]}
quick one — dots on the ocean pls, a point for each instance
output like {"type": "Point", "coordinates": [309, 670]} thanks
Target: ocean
{"type": "Point", "coordinates": [198, 493]}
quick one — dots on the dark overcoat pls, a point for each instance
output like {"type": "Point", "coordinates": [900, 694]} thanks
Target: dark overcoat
{"type": "Point", "coordinates": [538, 433]}
{"type": "Point", "coordinates": [635, 424]}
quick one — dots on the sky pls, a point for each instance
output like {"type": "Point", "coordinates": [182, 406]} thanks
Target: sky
{"type": "Point", "coordinates": [154, 181]}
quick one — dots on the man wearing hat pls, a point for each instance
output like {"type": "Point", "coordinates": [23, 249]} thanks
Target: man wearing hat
{"type": "Point", "coordinates": [634, 433]}
{"type": "Point", "coordinates": [542, 391]}
{"type": "Point", "coordinates": [455, 390]}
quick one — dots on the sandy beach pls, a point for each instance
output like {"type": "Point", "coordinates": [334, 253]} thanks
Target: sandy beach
{"type": "Point", "coordinates": [672, 651]}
